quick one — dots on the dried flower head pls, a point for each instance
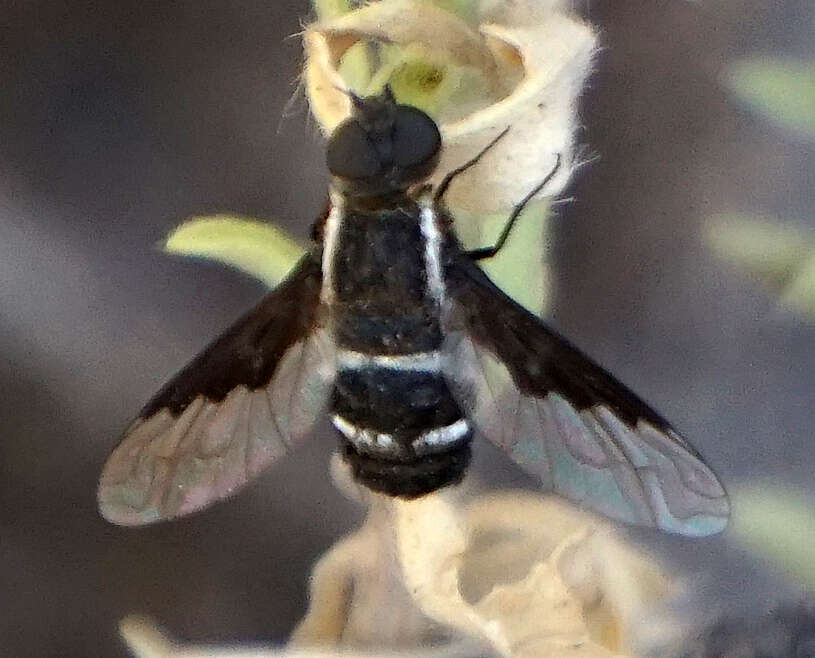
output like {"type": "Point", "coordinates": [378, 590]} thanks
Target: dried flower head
{"type": "Point", "coordinates": [512, 574]}
{"type": "Point", "coordinates": [519, 65]}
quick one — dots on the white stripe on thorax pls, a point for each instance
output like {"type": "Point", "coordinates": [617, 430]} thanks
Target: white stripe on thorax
{"type": "Point", "coordinates": [333, 223]}
{"type": "Point", "coordinates": [432, 249]}
{"type": "Point", "coordinates": [418, 361]}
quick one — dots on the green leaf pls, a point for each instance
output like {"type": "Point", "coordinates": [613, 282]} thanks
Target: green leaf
{"type": "Point", "coordinates": [765, 246]}
{"type": "Point", "coordinates": [799, 292]}
{"type": "Point", "coordinates": [520, 268]}
{"type": "Point", "coordinates": [781, 256]}
{"type": "Point", "coordinates": [257, 248]}
{"type": "Point", "coordinates": [330, 9]}
{"type": "Point", "coordinates": [267, 253]}
{"type": "Point", "coordinates": [779, 525]}
{"type": "Point", "coordinates": [783, 91]}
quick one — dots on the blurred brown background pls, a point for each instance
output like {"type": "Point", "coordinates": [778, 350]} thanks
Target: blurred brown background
{"type": "Point", "coordinates": [118, 119]}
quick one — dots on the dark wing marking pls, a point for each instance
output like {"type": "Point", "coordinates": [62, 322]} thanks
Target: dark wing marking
{"type": "Point", "coordinates": [566, 420]}
{"type": "Point", "coordinates": [230, 413]}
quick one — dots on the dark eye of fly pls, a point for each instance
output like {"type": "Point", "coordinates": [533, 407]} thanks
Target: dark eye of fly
{"type": "Point", "coordinates": [351, 154]}
{"type": "Point", "coordinates": [416, 138]}
{"type": "Point", "coordinates": [384, 148]}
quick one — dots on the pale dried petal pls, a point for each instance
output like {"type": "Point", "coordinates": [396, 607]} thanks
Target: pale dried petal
{"type": "Point", "coordinates": [541, 615]}
{"type": "Point", "coordinates": [521, 570]}
{"type": "Point", "coordinates": [612, 581]}
{"type": "Point", "coordinates": [392, 21]}
{"type": "Point", "coordinates": [541, 113]}
{"type": "Point", "coordinates": [358, 598]}
{"type": "Point", "coordinates": [432, 539]}
{"type": "Point", "coordinates": [551, 55]}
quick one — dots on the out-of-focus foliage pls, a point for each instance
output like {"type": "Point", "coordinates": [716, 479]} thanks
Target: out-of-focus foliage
{"type": "Point", "coordinates": [781, 256]}
{"type": "Point", "coordinates": [776, 523]}
{"type": "Point", "coordinates": [781, 91]}
{"type": "Point", "coordinates": [779, 525]}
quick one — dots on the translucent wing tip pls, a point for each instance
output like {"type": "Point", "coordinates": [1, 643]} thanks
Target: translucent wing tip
{"type": "Point", "coordinates": [704, 495]}
{"type": "Point", "coordinates": [114, 506]}
{"type": "Point", "coordinates": [701, 525]}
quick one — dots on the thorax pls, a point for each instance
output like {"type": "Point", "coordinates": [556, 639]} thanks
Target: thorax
{"type": "Point", "coordinates": [383, 274]}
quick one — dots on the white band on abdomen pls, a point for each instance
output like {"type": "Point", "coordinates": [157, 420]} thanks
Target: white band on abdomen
{"type": "Point", "coordinates": [418, 361]}
{"type": "Point", "coordinates": [437, 440]}
{"type": "Point", "coordinates": [381, 443]}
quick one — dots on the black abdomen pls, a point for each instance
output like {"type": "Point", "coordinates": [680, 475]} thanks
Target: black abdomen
{"type": "Point", "coordinates": [412, 480]}
{"type": "Point", "coordinates": [404, 403]}
{"type": "Point", "coordinates": [403, 431]}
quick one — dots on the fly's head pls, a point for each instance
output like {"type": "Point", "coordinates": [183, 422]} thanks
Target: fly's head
{"type": "Point", "coordinates": [383, 148]}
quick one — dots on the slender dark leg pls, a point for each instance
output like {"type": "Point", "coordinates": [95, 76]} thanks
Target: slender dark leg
{"type": "Point", "coordinates": [489, 252]}
{"type": "Point", "coordinates": [445, 183]}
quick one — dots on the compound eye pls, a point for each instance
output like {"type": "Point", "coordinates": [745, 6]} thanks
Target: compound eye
{"type": "Point", "coordinates": [351, 154]}
{"type": "Point", "coordinates": [416, 138]}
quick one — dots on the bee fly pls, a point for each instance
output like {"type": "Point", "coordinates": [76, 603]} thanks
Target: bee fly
{"type": "Point", "coordinates": [390, 326]}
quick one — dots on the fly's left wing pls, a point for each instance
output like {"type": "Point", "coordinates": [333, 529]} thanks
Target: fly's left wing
{"type": "Point", "coordinates": [230, 413]}
{"type": "Point", "coordinates": [564, 419]}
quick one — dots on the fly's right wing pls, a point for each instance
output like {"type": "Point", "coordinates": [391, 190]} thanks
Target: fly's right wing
{"type": "Point", "coordinates": [567, 421]}
{"type": "Point", "coordinates": [232, 412]}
